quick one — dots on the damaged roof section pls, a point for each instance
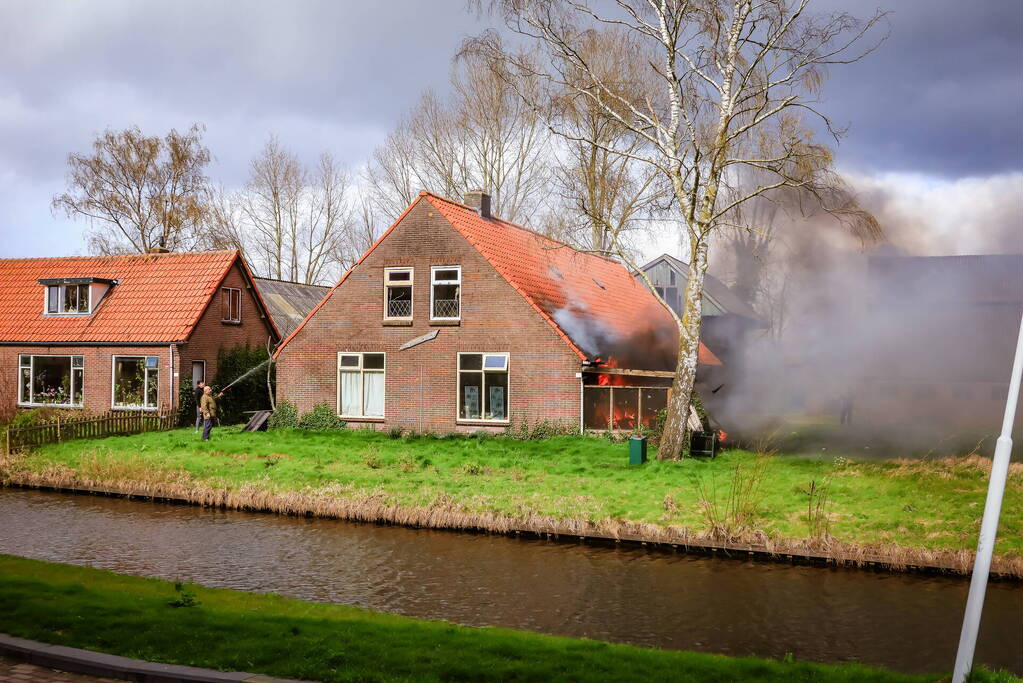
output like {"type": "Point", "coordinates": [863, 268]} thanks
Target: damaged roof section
{"type": "Point", "coordinates": [289, 302]}
{"type": "Point", "coordinates": [594, 302]}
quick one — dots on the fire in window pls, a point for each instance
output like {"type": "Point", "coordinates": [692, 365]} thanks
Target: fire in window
{"type": "Point", "coordinates": [445, 292]}
{"type": "Point", "coordinates": [398, 293]}
{"type": "Point", "coordinates": [483, 386]}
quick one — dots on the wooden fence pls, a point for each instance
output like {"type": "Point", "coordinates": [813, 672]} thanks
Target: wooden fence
{"type": "Point", "coordinates": [62, 429]}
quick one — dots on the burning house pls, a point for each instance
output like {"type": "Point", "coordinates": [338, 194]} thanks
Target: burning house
{"type": "Point", "coordinates": [456, 320]}
{"type": "Point", "coordinates": [727, 323]}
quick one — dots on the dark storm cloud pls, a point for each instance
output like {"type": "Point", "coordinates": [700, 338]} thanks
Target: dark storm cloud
{"type": "Point", "coordinates": [941, 97]}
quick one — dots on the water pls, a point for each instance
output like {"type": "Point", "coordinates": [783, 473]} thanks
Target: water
{"type": "Point", "coordinates": [248, 372]}
{"type": "Point", "coordinates": [904, 622]}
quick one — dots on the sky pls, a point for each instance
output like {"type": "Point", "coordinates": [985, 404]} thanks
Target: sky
{"type": "Point", "coordinates": [933, 135]}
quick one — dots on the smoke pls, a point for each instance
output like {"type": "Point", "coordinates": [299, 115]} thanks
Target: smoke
{"type": "Point", "coordinates": [915, 351]}
{"type": "Point", "coordinates": [649, 347]}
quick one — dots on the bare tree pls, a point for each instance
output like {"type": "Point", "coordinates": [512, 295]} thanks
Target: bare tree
{"type": "Point", "coordinates": [292, 223]}
{"type": "Point", "coordinates": [485, 137]}
{"type": "Point", "coordinates": [605, 192]}
{"type": "Point", "coordinates": [139, 192]}
{"type": "Point", "coordinates": [732, 75]}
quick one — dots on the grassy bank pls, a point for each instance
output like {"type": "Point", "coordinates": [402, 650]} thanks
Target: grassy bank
{"type": "Point", "coordinates": [260, 633]}
{"type": "Point", "coordinates": [913, 511]}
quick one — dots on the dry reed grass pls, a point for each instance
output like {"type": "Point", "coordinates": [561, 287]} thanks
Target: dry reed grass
{"type": "Point", "coordinates": [338, 502]}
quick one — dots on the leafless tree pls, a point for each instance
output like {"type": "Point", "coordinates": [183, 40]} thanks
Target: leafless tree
{"type": "Point", "coordinates": [484, 137]}
{"type": "Point", "coordinates": [139, 192]}
{"type": "Point", "coordinates": [732, 75]}
{"type": "Point", "coordinates": [292, 223]}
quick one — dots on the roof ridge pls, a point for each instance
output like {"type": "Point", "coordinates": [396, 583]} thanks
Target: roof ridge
{"type": "Point", "coordinates": [512, 224]}
{"type": "Point", "coordinates": [111, 257]}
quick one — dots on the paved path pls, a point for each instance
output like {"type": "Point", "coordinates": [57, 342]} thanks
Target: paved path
{"type": "Point", "coordinates": [15, 671]}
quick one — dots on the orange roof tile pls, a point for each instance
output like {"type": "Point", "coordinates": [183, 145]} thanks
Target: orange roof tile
{"type": "Point", "coordinates": [157, 298]}
{"type": "Point", "coordinates": [593, 302]}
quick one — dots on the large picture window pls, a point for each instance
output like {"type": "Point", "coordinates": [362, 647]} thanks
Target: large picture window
{"type": "Point", "coordinates": [483, 386]}
{"type": "Point", "coordinates": [136, 382]}
{"type": "Point", "coordinates": [398, 293]}
{"type": "Point", "coordinates": [67, 299]}
{"type": "Point", "coordinates": [445, 292]}
{"type": "Point", "coordinates": [51, 380]}
{"type": "Point", "coordinates": [360, 383]}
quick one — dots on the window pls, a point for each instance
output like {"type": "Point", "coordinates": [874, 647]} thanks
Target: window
{"type": "Point", "coordinates": [398, 293]}
{"type": "Point", "coordinates": [445, 292]}
{"type": "Point", "coordinates": [67, 299]}
{"type": "Point", "coordinates": [360, 384]}
{"type": "Point", "coordinates": [136, 382]}
{"type": "Point", "coordinates": [231, 301]}
{"type": "Point", "coordinates": [483, 386]}
{"type": "Point", "coordinates": [51, 380]}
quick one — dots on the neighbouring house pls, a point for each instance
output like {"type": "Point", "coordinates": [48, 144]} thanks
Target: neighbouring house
{"type": "Point", "coordinates": [939, 339]}
{"type": "Point", "coordinates": [122, 332]}
{"type": "Point", "coordinates": [289, 302]}
{"type": "Point", "coordinates": [456, 320]}
{"type": "Point", "coordinates": [726, 326]}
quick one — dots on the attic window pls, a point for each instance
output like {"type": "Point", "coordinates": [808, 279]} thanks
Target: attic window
{"type": "Point", "coordinates": [445, 292]}
{"type": "Point", "coordinates": [398, 299]}
{"type": "Point", "coordinates": [231, 305]}
{"type": "Point", "coordinates": [70, 299]}
{"type": "Point", "coordinates": [599, 283]}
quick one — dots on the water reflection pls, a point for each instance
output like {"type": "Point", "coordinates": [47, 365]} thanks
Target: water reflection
{"type": "Point", "coordinates": [909, 623]}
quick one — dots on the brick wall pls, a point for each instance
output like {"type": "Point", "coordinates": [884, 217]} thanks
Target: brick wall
{"type": "Point", "coordinates": [209, 336]}
{"type": "Point", "coordinates": [421, 382]}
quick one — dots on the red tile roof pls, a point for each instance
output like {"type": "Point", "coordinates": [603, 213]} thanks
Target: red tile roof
{"type": "Point", "coordinates": [157, 298]}
{"type": "Point", "coordinates": [592, 302]}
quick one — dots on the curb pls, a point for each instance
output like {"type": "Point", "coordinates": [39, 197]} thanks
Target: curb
{"type": "Point", "coordinates": [91, 663]}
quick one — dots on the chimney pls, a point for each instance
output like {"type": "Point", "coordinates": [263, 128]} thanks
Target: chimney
{"type": "Point", "coordinates": [479, 200]}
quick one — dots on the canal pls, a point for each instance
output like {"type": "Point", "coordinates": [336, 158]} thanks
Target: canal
{"type": "Point", "coordinates": [904, 622]}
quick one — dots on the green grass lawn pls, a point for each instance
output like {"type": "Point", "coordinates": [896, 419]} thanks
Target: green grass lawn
{"type": "Point", "coordinates": [931, 503]}
{"type": "Point", "coordinates": [265, 633]}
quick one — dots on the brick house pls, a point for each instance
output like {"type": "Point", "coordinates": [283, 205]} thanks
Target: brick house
{"type": "Point", "coordinates": [455, 320]}
{"type": "Point", "coordinates": [121, 332]}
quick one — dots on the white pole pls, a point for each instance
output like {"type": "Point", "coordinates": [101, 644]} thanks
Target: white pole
{"type": "Point", "coordinates": [989, 526]}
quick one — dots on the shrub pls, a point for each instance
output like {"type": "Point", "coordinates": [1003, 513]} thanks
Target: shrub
{"type": "Point", "coordinates": [321, 419]}
{"type": "Point", "coordinates": [248, 394]}
{"type": "Point", "coordinates": [284, 416]}
{"type": "Point", "coordinates": [38, 416]}
{"type": "Point", "coordinates": [540, 430]}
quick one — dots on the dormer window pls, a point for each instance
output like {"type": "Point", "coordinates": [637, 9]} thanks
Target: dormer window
{"type": "Point", "coordinates": [74, 296]}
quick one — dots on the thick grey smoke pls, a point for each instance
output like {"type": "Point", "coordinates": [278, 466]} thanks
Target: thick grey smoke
{"type": "Point", "coordinates": [914, 353]}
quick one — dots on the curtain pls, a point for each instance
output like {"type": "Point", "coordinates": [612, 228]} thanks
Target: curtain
{"type": "Point", "coordinates": [351, 393]}
{"type": "Point", "coordinates": [374, 385]}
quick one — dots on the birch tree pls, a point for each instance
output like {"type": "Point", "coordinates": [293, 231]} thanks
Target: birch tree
{"type": "Point", "coordinates": [731, 75]}
{"type": "Point", "coordinates": [139, 192]}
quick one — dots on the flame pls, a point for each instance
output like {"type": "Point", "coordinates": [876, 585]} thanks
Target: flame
{"type": "Point", "coordinates": [722, 435]}
{"type": "Point", "coordinates": [610, 380]}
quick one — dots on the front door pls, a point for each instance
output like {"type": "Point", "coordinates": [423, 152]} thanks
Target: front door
{"type": "Point", "coordinates": [198, 372]}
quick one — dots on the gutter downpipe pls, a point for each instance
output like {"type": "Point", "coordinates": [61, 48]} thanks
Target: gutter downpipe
{"type": "Point", "coordinates": [989, 525]}
{"type": "Point", "coordinates": [171, 347]}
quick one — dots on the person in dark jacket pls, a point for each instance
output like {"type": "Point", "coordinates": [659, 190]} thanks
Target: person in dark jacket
{"type": "Point", "coordinates": [198, 400]}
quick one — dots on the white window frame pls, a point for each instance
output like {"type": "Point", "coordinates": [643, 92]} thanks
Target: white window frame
{"type": "Point", "coordinates": [362, 392]}
{"type": "Point", "coordinates": [31, 376]}
{"type": "Point", "coordinates": [433, 285]}
{"type": "Point", "coordinates": [203, 371]}
{"type": "Point", "coordinates": [61, 297]}
{"type": "Point", "coordinates": [410, 283]}
{"type": "Point", "coordinates": [227, 291]}
{"type": "Point", "coordinates": [145, 384]}
{"type": "Point", "coordinates": [483, 385]}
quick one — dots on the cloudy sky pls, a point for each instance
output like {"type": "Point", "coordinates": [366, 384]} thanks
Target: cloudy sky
{"type": "Point", "coordinates": [934, 138]}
